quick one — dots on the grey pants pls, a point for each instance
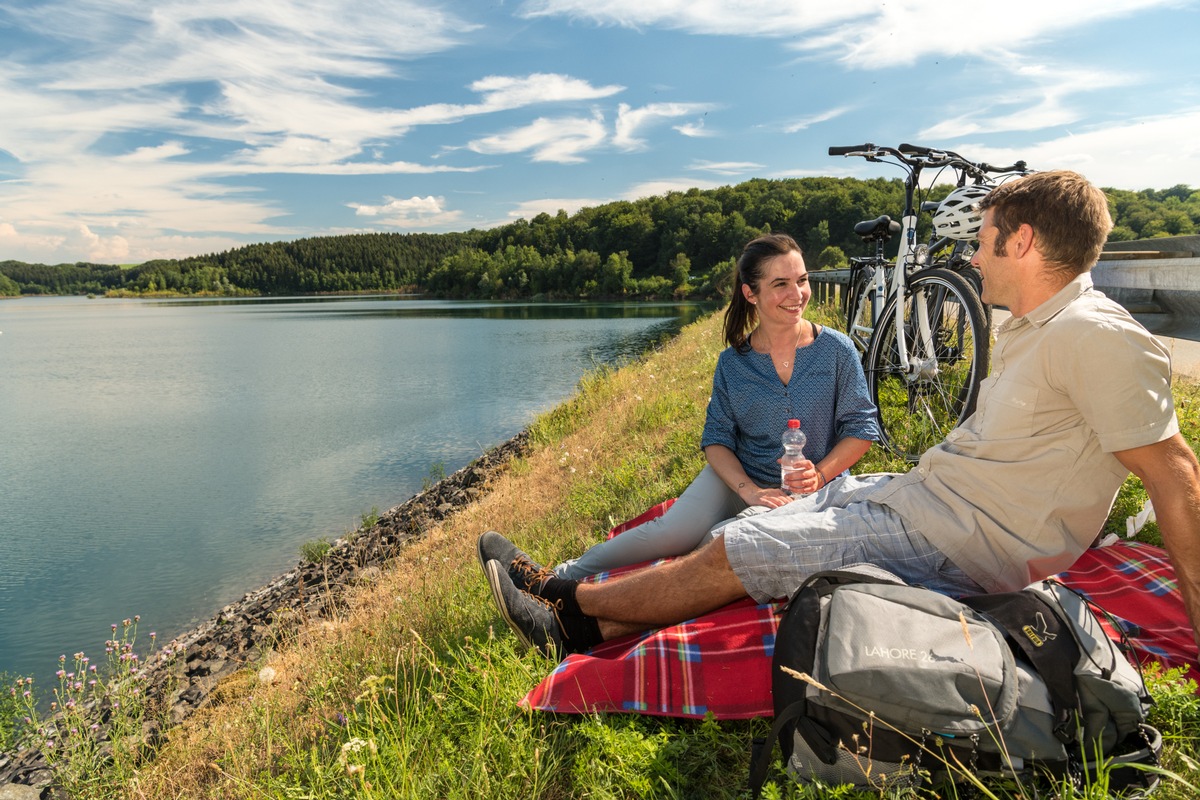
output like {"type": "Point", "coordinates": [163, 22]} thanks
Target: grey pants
{"type": "Point", "coordinates": [706, 502]}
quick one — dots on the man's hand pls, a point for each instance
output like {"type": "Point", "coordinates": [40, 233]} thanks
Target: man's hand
{"type": "Point", "coordinates": [1171, 474]}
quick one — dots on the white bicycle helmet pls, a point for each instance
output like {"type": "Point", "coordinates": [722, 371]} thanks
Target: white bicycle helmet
{"type": "Point", "coordinates": [958, 216]}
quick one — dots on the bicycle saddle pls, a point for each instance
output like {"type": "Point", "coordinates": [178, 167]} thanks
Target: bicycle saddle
{"type": "Point", "coordinates": [880, 228]}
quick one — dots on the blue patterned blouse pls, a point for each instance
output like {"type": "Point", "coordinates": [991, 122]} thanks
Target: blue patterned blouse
{"type": "Point", "coordinates": [750, 406]}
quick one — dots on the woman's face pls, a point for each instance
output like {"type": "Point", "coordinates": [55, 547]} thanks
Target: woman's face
{"type": "Point", "coordinates": [783, 293]}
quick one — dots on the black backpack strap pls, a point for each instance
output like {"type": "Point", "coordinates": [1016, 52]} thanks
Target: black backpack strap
{"type": "Point", "coordinates": [1048, 643]}
{"type": "Point", "coordinates": [762, 758]}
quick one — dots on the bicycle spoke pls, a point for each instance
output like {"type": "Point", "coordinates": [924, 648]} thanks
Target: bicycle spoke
{"type": "Point", "coordinates": [921, 401]}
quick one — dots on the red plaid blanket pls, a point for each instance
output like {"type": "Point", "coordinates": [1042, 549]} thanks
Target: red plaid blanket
{"type": "Point", "coordinates": [721, 662]}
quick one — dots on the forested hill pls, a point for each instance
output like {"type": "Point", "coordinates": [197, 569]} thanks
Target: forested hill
{"type": "Point", "coordinates": [676, 245]}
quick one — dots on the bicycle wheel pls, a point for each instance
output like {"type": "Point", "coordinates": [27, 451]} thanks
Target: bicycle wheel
{"type": "Point", "coordinates": [920, 401]}
{"type": "Point", "coordinates": [859, 299]}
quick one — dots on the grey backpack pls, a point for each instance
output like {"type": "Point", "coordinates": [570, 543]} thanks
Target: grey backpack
{"type": "Point", "coordinates": [877, 683]}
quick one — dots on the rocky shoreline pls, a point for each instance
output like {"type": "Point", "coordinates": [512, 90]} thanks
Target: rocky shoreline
{"type": "Point", "coordinates": [233, 638]}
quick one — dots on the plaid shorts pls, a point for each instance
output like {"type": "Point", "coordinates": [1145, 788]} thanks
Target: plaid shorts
{"type": "Point", "coordinates": [773, 552]}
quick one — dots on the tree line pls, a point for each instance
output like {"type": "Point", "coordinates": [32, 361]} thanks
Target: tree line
{"type": "Point", "coordinates": [681, 244]}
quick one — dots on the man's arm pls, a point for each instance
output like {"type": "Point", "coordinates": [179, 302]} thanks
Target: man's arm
{"type": "Point", "coordinates": [1171, 474]}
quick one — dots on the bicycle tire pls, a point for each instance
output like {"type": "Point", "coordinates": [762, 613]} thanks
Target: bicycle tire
{"type": "Point", "coordinates": [859, 300]}
{"type": "Point", "coordinates": [918, 408]}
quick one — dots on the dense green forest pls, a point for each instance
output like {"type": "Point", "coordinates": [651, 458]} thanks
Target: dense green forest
{"type": "Point", "coordinates": [676, 245]}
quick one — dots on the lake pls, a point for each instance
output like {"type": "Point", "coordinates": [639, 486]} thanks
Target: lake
{"type": "Point", "coordinates": [162, 457]}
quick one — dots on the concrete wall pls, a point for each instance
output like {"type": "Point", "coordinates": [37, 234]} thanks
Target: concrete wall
{"type": "Point", "coordinates": [1166, 291]}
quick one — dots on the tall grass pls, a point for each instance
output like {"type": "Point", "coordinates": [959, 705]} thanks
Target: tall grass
{"type": "Point", "coordinates": [413, 691]}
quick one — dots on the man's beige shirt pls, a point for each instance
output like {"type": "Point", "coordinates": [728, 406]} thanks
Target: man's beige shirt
{"type": "Point", "coordinates": [1022, 487]}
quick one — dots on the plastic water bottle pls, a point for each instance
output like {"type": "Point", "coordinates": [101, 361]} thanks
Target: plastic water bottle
{"type": "Point", "coordinates": [794, 440]}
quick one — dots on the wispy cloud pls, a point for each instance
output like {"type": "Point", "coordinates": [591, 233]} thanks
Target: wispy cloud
{"type": "Point", "coordinates": [804, 123]}
{"type": "Point", "coordinates": [661, 186]}
{"type": "Point", "coordinates": [214, 92]}
{"type": "Point", "coordinates": [1147, 152]}
{"type": "Point", "coordinates": [725, 167]}
{"type": "Point", "coordinates": [862, 34]}
{"type": "Point", "coordinates": [632, 120]}
{"type": "Point", "coordinates": [1046, 90]}
{"type": "Point", "coordinates": [564, 140]}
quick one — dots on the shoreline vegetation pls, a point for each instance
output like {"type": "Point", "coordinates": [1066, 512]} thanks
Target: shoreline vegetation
{"type": "Point", "coordinates": [678, 245]}
{"type": "Point", "coordinates": [407, 683]}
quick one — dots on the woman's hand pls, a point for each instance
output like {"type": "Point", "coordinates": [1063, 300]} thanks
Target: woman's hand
{"type": "Point", "coordinates": [771, 498]}
{"type": "Point", "coordinates": [806, 479]}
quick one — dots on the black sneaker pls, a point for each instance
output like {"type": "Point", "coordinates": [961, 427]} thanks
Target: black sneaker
{"type": "Point", "coordinates": [527, 574]}
{"type": "Point", "coordinates": [533, 619]}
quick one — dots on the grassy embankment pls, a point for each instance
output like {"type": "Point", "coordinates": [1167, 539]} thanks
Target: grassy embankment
{"type": "Point", "coordinates": [413, 690]}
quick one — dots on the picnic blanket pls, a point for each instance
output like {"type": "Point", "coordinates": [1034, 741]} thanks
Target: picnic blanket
{"type": "Point", "coordinates": [721, 662]}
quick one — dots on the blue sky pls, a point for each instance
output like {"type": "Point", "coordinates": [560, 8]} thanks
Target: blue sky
{"type": "Point", "coordinates": [132, 130]}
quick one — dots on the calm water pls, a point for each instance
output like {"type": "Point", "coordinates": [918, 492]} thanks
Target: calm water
{"type": "Point", "coordinates": [163, 457]}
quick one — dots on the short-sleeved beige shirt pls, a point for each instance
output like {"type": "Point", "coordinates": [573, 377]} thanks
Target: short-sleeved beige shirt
{"type": "Point", "coordinates": [1022, 487]}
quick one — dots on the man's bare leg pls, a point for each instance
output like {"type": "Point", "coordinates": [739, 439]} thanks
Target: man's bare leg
{"type": "Point", "coordinates": [653, 598]}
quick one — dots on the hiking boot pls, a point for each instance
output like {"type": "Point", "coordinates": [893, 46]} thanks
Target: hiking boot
{"type": "Point", "coordinates": [533, 619]}
{"type": "Point", "coordinates": [526, 574]}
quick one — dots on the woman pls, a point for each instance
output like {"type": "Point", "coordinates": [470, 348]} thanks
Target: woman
{"type": "Point", "coordinates": [785, 368]}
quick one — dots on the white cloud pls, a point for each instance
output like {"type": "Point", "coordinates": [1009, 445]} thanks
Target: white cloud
{"type": "Point", "coordinates": [1151, 152]}
{"type": "Point", "coordinates": [563, 140]}
{"type": "Point", "coordinates": [413, 212]}
{"type": "Point", "coordinates": [528, 209]}
{"type": "Point", "coordinates": [1048, 89]}
{"type": "Point", "coordinates": [631, 120]}
{"type": "Point", "coordinates": [804, 123]}
{"type": "Point", "coordinates": [861, 34]}
{"type": "Point", "coordinates": [726, 167]}
{"type": "Point", "coordinates": [694, 130]}
{"type": "Point", "coordinates": [660, 186]}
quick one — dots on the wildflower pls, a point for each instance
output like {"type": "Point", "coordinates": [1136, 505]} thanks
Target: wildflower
{"type": "Point", "coordinates": [59, 674]}
{"type": "Point", "coordinates": [153, 636]}
{"type": "Point", "coordinates": [26, 693]}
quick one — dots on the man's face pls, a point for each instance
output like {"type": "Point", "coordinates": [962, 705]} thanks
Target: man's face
{"type": "Point", "coordinates": [993, 261]}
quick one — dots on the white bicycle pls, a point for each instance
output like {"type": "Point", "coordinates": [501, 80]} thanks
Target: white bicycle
{"type": "Point", "coordinates": [918, 319]}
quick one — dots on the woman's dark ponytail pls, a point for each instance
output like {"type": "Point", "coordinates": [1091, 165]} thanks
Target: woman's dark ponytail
{"type": "Point", "coordinates": [741, 315]}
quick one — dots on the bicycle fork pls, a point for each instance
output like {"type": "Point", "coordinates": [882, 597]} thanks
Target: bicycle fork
{"type": "Point", "coordinates": [915, 369]}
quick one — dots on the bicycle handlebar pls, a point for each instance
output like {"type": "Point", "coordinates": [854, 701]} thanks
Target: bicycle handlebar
{"type": "Point", "coordinates": [847, 150]}
{"type": "Point", "coordinates": [915, 155]}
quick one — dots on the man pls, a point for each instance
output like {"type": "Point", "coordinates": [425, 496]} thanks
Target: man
{"type": "Point", "coordinates": [1079, 396]}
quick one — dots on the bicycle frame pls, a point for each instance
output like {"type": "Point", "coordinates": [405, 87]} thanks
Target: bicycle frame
{"type": "Point", "coordinates": [915, 159]}
{"type": "Point", "coordinates": [919, 319]}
